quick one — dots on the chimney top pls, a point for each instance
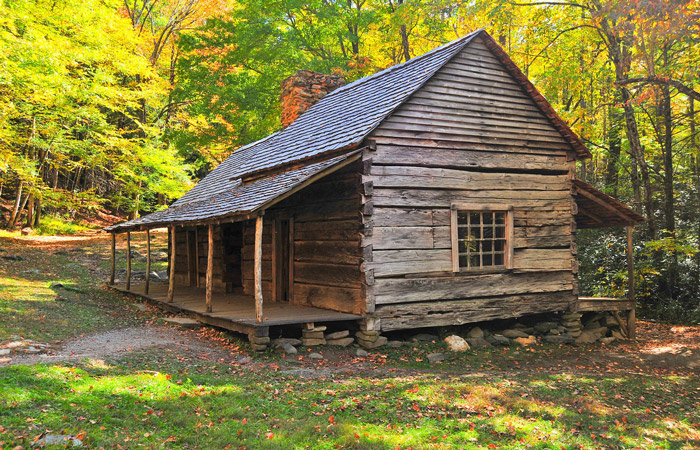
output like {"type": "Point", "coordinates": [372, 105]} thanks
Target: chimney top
{"type": "Point", "coordinates": [304, 89]}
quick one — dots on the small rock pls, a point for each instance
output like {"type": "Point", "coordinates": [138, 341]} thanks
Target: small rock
{"type": "Point", "coordinates": [245, 360]}
{"type": "Point", "coordinates": [14, 344]}
{"type": "Point", "coordinates": [32, 271]}
{"type": "Point", "coordinates": [572, 324]}
{"type": "Point", "coordinates": [497, 339]}
{"type": "Point", "coordinates": [342, 342]}
{"type": "Point", "coordinates": [281, 341]}
{"type": "Point", "coordinates": [32, 349]}
{"type": "Point", "coordinates": [4, 351]}
{"type": "Point", "coordinates": [381, 340]}
{"type": "Point", "coordinates": [435, 357]}
{"type": "Point", "coordinates": [513, 334]}
{"type": "Point", "coordinates": [26, 231]}
{"type": "Point", "coordinates": [574, 333]}
{"type": "Point", "coordinates": [456, 343]}
{"type": "Point", "coordinates": [59, 439]}
{"type": "Point", "coordinates": [338, 335]}
{"type": "Point", "coordinates": [312, 342]}
{"type": "Point", "coordinates": [555, 332]}
{"type": "Point", "coordinates": [56, 285]}
{"type": "Point", "coordinates": [600, 331]}
{"type": "Point", "coordinates": [571, 316]}
{"type": "Point", "coordinates": [478, 342]}
{"type": "Point", "coordinates": [545, 327]}
{"type": "Point", "coordinates": [141, 306]}
{"type": "Point", "coordinates": [367, 335]}
{"type": "Point", "coordinates": [526, 342]}
{"type": "Point", "coordinates": [312, 334]}
{"type": "Point", "coordinates": [361, 353]}
{"type": "Point", "coordinates": [476, 332]}
{"type": "Point", "coordinates": [315, 356]}
{"type": "Point", "coordinates": [592, 324]}
{"type": "Point", "coordinates": [288, 348]}
{"type": "Point", "coordinates": [608, 340]}
{"type": "Point", "coordinates": [318, 328]}
{"type": "Point", "coordinates": [424, 337]}
{"type": "Point", "coordinates": [558, 340]}
{"type": "Point", "coordinates": [395, 344]}
{"type": "Point", "coordinates": [162, 274]}
{"type": "Point", "coordinates": [586, 337]}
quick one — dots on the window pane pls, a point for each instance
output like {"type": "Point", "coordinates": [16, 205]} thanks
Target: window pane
{"type": "Point", "coordinates": [486, 245]}
{"type": "Point", "coordinates": [499, 246]}
{"type": "Point", "coordinates": [501, 218]}
{"type": "Point", "coordinates": [498, 259]}
{"type": "Point", "coordinates": [475, 232]}
{"type": "Point", "coordinates": [462, 217]}
{"type": "Point", "coordinates": [487, 260]}
{"type": "Point", "coordinates": [462, 232]}
{"type": "Point", "coordinates": [475, 262]}
{"type": "Point", "coordinates": [500, 232]}
{"type": "Point", "coordinates": [488, 232]}
{"type": "Point", "coordinates": [475, 218]}
{"type": "Point", "coordinates": [462, 261]}
{"type": "Point", "coordinates": [488, 218]}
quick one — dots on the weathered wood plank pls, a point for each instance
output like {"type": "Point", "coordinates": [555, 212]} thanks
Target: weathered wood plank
{"type": "Point", "coordinates": [438, 178]}
{"type": "Point", "coordinates": [432, 198]}
{"type": "Point", "coordinates": [402, 262]}
{"type": "Point", "coordinates": [257, 270]}
{"type": "Point", "coordinates": [463, 286]}
{"type": "Point", "coordinates": [535, 259]}
{"type": "Point", "coordinates": [322, 230]}
{"type": "Point", "coordinates": [210, 268]}
{"type": "Point", "coordinates": [456, 312]}
{"type": "Point", "coordinates": [327, 274]}
{"type": "Point", "coordinates": [339, 252]}
{"type": "Point", "coordinates": [331, 297]}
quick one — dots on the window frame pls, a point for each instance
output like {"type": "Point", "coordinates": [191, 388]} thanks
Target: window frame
{"type": "Point", "coordinates": [455, 209]}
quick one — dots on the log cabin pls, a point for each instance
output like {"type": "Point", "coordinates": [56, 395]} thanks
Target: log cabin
{"type": "Point", "coordinates": [437, 192]}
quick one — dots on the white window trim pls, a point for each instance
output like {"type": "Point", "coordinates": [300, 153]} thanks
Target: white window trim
{"type": "Point", "coordinates": [480, 207]}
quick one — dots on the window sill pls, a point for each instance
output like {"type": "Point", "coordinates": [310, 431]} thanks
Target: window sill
{"type": "Point", "coordinates": [468, 272]}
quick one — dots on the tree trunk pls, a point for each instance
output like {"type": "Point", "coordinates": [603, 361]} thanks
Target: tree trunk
{"type": "Point", "coordinates": [37, 212]}
{"type": "Point", "coordinates": [614, 146]}
{"type": "Point", "coordinates": [30, 211]}
{"type": "Point", "coordinates": [15, 210]}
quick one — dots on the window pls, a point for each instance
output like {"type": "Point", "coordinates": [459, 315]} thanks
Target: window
{"type": "Point", "coordinates": [481, 237]}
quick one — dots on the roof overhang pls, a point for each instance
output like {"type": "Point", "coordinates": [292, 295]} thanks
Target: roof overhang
{"type": "Point", "coordinates": [597, 209]}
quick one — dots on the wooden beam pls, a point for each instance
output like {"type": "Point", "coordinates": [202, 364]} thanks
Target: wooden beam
{"type": "Point", "coordinates": [128, 261]}
{"type": "Point", "coordinates": [171, 272]}
{"type": "Point", "coordinates": [148, 261]}
{"type": "Point", "coordinates": [113, 259]}
{"type": "Point", "coordinates": [631, 315]}
{"type": "Point", "coordinates": [196, 253]}
{"type": "Point", "coordinates": [291, 261]}
{"type": "Point", "coordinates": [210, 265]}
{"type": "Point", "coordinates": [188, 257]}
{"type": "Point", "coordinates": [258, 269]}
{"type": "Point", "coordinates": [603, 203]}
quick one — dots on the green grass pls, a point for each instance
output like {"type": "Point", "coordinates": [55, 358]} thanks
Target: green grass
{"type": "Point", "coordinates": [487, 398]}
{"type": "Point", "coordinates": [55, 225]}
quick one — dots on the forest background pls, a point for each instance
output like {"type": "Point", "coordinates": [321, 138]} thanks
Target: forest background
{"type": "Point", "coordinates": [120, 106]}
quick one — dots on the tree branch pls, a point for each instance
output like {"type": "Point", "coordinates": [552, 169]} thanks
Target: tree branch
{"type": "Point", "coordinates": [662, 81]}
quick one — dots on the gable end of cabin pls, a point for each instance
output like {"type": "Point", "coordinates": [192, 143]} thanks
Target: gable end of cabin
{"type": "Point", "coordinates": [472, 214]}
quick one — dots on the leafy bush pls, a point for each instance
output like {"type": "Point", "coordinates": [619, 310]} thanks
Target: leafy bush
{"type": "Point", "coordinates": [667, 273]}
{"type": "Point", "coordinates": [58, 225]}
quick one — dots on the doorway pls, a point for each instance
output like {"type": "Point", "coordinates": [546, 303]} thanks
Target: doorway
{"type": "Point", "coordinates": [283, 255]}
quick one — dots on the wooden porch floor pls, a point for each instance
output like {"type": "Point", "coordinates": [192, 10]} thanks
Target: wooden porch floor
{"type": "Point", "coordinates": [233, 311]}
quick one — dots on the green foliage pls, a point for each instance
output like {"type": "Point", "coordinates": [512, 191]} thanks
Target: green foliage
{"type": "Point", "coordinates": [60, 225]}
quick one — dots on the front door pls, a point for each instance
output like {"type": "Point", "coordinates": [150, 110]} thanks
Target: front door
{"type": "Point", "coordinates": [282, 257]}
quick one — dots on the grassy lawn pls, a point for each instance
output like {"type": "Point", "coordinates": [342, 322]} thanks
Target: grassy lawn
{"type": "Point", "coordinates": [542, 397]}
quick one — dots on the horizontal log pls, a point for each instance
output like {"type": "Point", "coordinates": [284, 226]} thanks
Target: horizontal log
{"type": "Point", "coordinates": [388, 238]}
{"type": "Point", "coordinates": [403, 262]}
{"type": "Point", "coordinates": [330, 297]}
{"type": "Point", "coordinates": [409, 217]}
{"type": "Point", "coordinates": [325, 230]}
{"type": "Point", "coordinates": [432, 198]}
{"type": "Point", "coordinates": [406, 290]}
{"type": "Point", "coordinates": [327, 274]}
{"type": "Point", "coordinates": [438, 142]}
{"type": "Point", "coordinates": [457, 312]}
{"type": "Point", "coordinates": [337, 252]}
{"type": "Point", "coordinates": [438, 178]}
{"type": "Point", "coordinates": [542, 259]}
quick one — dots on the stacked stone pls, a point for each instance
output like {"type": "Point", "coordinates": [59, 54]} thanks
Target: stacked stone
{"type": "Point", "coordinates": [313, 336]}
{"type": "Point", "coordinates": [369, 336]}
{"type": "Point", "coordinates": [572, 322]}
{"type": "Point", "coordinates": [339, 338]}
{"type": "Point", "coordinates": [259, 343]}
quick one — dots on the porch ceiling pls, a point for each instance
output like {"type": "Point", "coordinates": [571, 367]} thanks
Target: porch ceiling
{"type": "Point", "coordinates": [599, 210]}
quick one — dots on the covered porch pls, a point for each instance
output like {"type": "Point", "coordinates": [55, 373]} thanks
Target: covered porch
{"type": "Point", "coordinates": [596, 209]}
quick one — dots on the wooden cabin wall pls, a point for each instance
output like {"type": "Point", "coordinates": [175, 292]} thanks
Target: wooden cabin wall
{"type": "Point", "coordinates": [471, 134]}
{"type": "Point", "coordinates": [326, 235]}
{"type": "Point", "coordinates": [227, 244]}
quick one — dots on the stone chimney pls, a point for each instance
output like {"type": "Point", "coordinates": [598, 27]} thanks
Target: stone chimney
{"type": "Point", "coordinates": [302, 90]}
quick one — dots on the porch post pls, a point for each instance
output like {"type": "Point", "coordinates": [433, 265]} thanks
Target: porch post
{"type": "Point", "coordinates": [112, 259]}
{"type": "Point", "coordinates": [196, 254]}
{"type": "Point", "coordinates": [171, 275]}
{"type": "Point", "coordinates": [210, 266]}
{"type": "Point", "coordinates": [128, 260]}
{"type": "Point", "coordinates": [631, 315]}
{"type": "Point", "coordinates": [148, 260]}
{"type": "Point", "coordinates": [258, 269]}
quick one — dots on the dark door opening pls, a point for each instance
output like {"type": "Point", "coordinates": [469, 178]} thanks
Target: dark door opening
{"type": "Point", "coordinates": [282, 260]}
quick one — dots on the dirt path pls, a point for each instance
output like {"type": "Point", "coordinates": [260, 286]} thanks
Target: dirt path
{"type": "Point", "coordinates": [121, 342]}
